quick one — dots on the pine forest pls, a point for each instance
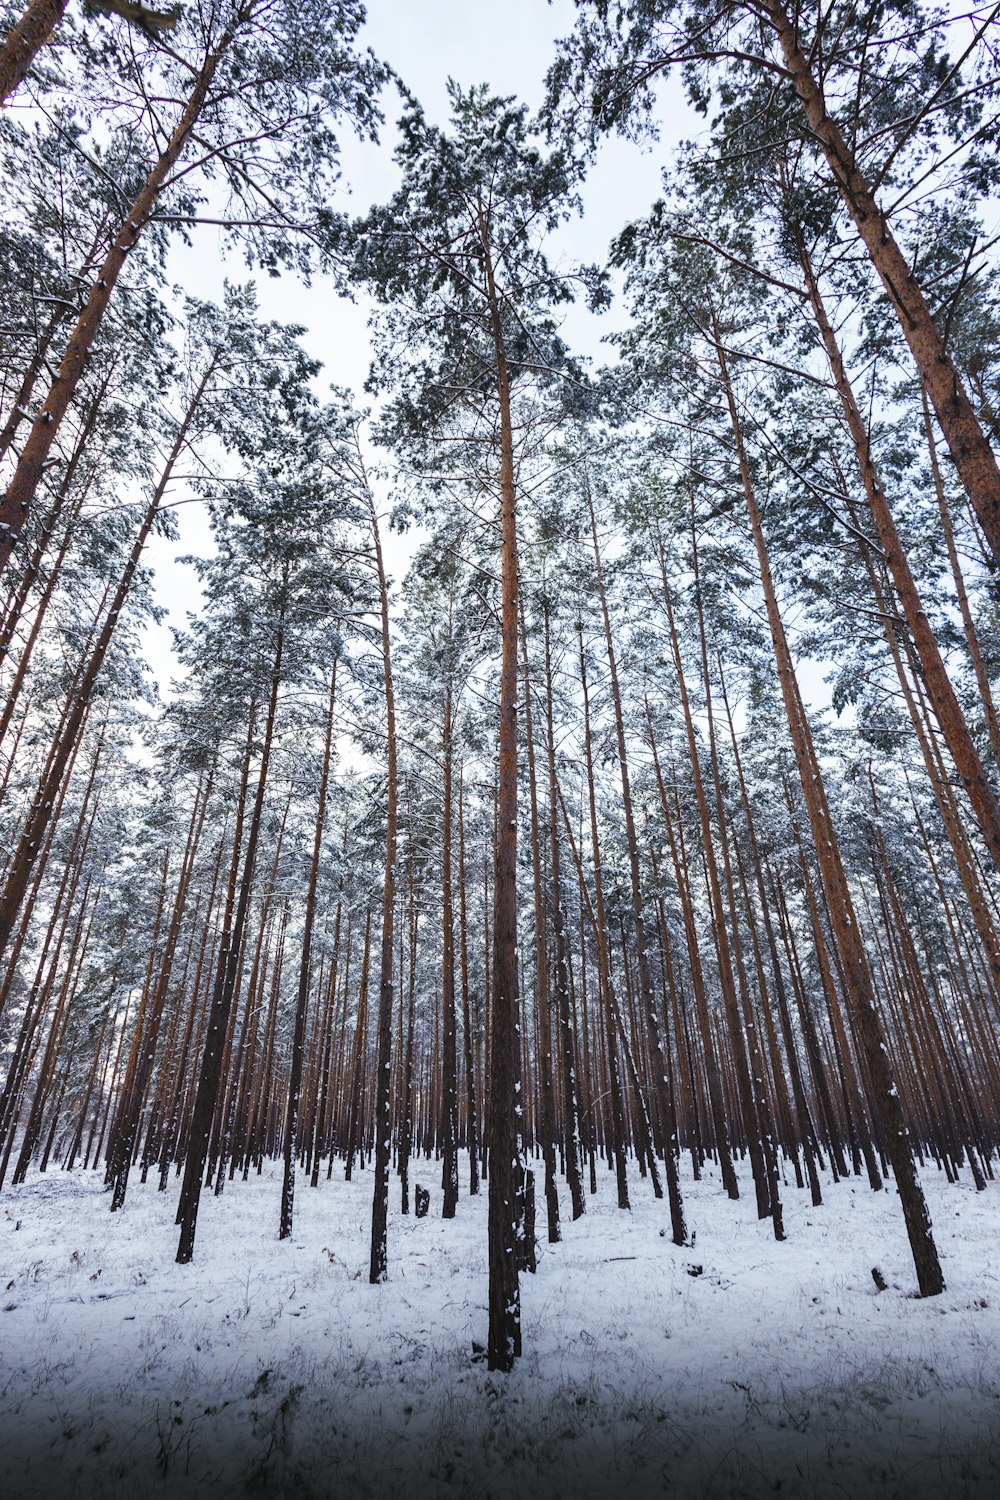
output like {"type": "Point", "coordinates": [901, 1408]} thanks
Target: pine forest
{"type": "Point", "coordinates": [500, 749]}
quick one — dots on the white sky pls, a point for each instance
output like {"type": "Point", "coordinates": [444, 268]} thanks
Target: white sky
{"type": "Point", "coordinates": [507, 45]}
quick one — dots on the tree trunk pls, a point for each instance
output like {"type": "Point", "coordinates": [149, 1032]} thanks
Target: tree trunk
{"type": "Point", "coordinates": [571, 1106]}
{"type": "Point", "coordinates": [146, 1036]}
{"type": "Point", "coordinates": [20, 493]}
{"type": "Point", "coordinates": [383, 1077]}
{"type": "Point", "coordinates": [847, 935]}
{"type": "Point", "coordinates": [472, 1131]}
{"type": "Point", "coordinates": [302, 995]}
{"type": "Point", "coordinates": [974, 459]}
{"type": "Point", "coordinates": [947, 709]}
{"type": "Point", "coordinates": [47, 794]}
{"type": "Point", "coordinates": [503, 1343]}
{"type": "Point", "coordinates": [449, 1048]}
{"type": "Point", "coordinates": [616, 1134]}
{"type": "Point", "coordinates": [715, 1094]}
{"type": "Point", "coordinates": [661, 1083]}
{"type": "Point", "coordinates": [24, 41]}
{"type": "Point", "coordinates": [224, 988]}
{"type": "Point", "coordinates": [543, 1020]}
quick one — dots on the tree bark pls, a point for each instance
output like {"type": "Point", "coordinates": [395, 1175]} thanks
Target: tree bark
{"type": "Point", "coordinates": [24, 41]}
{"type": "Point", "coordinates": [16, 503]}
{"type": "Point", "coordinates": [861, 997]}
{"type": "Point", "coordinates": [302, 995]}
{"type": "Point", "coordinates": [661, 1083]}
{"type": "Point", "coordinates": [47, 794]}
{"type": "Point", "coordinates": [969, 447]}
{"type": "Point", "coordinates": [947, 709]}
{"type": "Point", "coordinates": [224, 988]}
{"type": "Point", "coordinates": [503, 1108]}
{"type": "Point", "coordinates": [378, 1268]}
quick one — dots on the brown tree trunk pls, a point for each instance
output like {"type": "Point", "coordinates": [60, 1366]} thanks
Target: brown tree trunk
{"type": "Point", "coordinates": [806, 1130]}
{"type": "Point", "coordinates": [302, 995]}
{"type": "Point", "coordinates": [661, 1082]}
{"type": "Point", "coordinates": [543, 1019]}
{"type": "Point", "coordinates": [146, 1035]}
{"type": "Point", "coordinates": [743, 1037]}
{"type": "Point", "coordinates": [845, 925]}
{"type": "Point", "coordinates": [20, 1056]}
{"type": "Point", "coordinates": [41, 609]}
{"type": "Point", "coordinates": [718, 1112]}
{"type": "Point", "coordinates": [320, 1122]}
{"type": "Point", "coordinates": [615, 1133]}
{"type": "Point", "coordinates": [974, 459]}
{"type": "Point", "coordinates": [472, 1122]}
{"type": "Point", "coordinates": [224, 988]}
{"type": "Point", "coordinates": [449, 1048]}
{"type": "Point", "coordinates": [378, 1268]}
{"type": "Point", "coordinates": [20, 493]}
{"type": "Point", "coordinates": [33, 833]}
{"type": "Point", "coordinates": [406, 1102]}
{"type": "Point", "coordinates": [503, 1107]}
{"type": "Point", "coordinates": [961, 593]}
{"type": "Point", "coordinates": [24, 41]}
{"type": "Point", "coordinates": [567, 1040]}
{"type": "Point", "coordinates": [947, 709]}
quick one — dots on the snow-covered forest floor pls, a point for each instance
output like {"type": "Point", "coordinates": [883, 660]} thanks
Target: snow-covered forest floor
{"type": "Point", "coordinates": [736, 1367]}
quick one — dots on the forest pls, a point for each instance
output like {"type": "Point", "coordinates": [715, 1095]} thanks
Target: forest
{"type": "Point", "coordinates": [563, 826]}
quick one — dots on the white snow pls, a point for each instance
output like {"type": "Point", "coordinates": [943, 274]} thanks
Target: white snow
{"type": "Point", "coordinates": [737, 1367]}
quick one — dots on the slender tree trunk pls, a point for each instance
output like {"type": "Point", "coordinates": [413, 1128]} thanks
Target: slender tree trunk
{"type": "Point", "coordinates": [302, 996]}
{"type": "Point", "coordinates": [616, 1133]}
{"type": "Point", "coordinates": [947, 709]}
{"type": "Point", "coordinates": [859, 988]}
{"type": "Point", "coordinates": [320, 1123]}
{"type": "Point", "coordinates": [571, 1106]}
{"type": "Point", "coordinates": [715, 1097]}
{"type": "Point", "coordinates": [29, 573]}
{"type": "Point", "coordinates": [406, 1123]}
{"type": "Point", "coordinates": [224, 988]}
{"type": "Point", "coordinates": [41, 609]}
{"type": "Point", "coordinates": [46, 797]}
{"type": "Point", "coordinates": [961, 593]}
{"type": "Point", "coordinates": [14, 507]}
{"type": "Point", "coordinates": [353, 1102]}
{"type": "Point", "coordinates": [146, 1036]}
{"type": "Point", "coordinates": [543, 1020]}
{"type": "Point", "coordinates": [806, 1130]}
{"type": "Point", "coordinates": [378, 1269]}
{"type": "Point", "coordinates": [974, 459]}
{"type": "Point", "coordinates": [449, 1048]}
{"type": "Point", "coordinates": [472, 1131]}
{"type": "Point", "coordinates": [661, 1083]}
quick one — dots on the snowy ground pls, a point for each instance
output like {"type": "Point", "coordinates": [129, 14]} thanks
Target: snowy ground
{"type": "Point", "coordinates": [737, 1367]}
